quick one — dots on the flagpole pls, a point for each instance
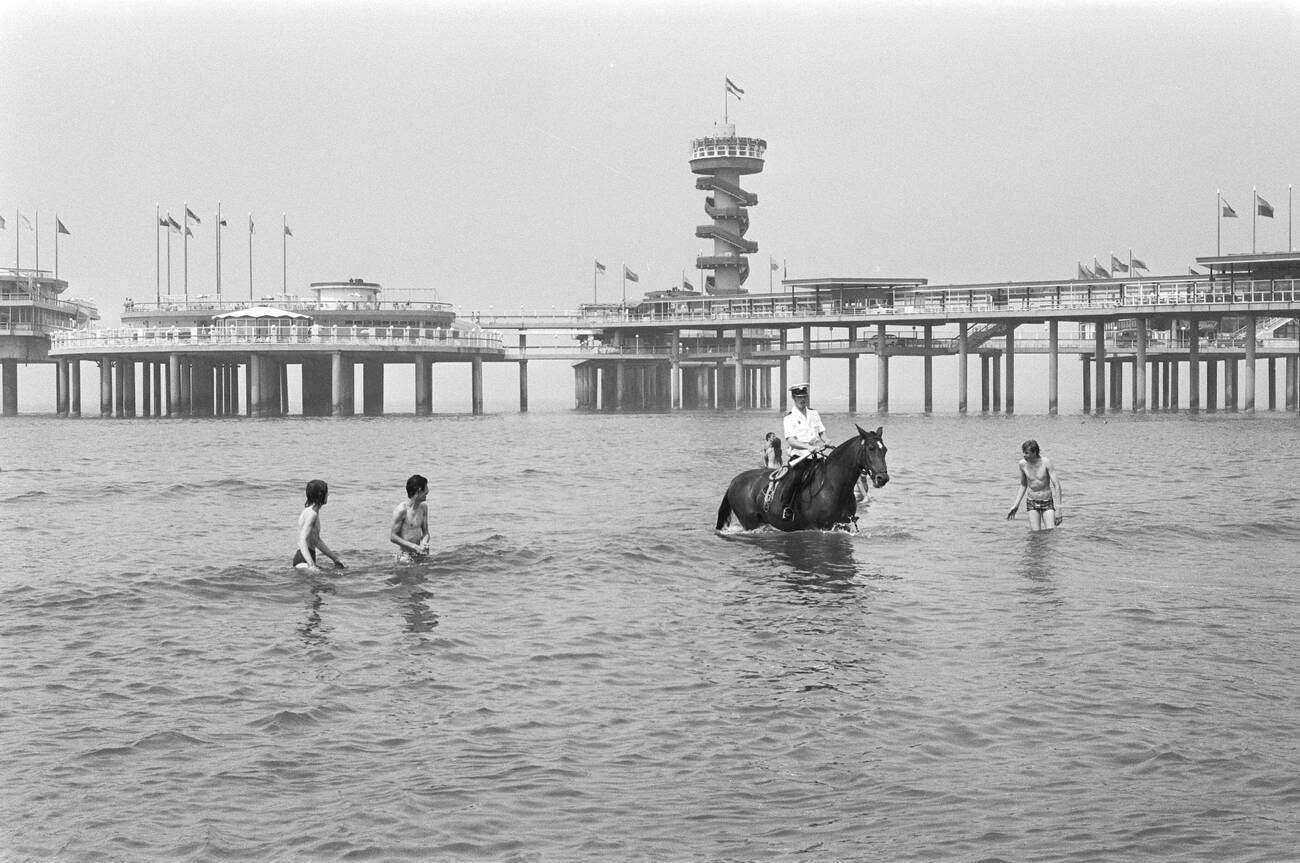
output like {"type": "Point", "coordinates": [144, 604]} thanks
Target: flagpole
{"type": "Point", "coordinates": [1218, 222]}
{"type": "Point", "coordinates": [18, 233]}
{"type": "Point", "coordinates": [250, 257]}
{"type": "Point", "coordinates": [595, 274]}
{"type": "Point", "coordinates": [157, 255]}
{"type": "Point", "coordinates": [169, 253]}
{"type": "Point", "coordinates": [1254, 216]}
{"type": "Point", "coordinates": [185, 248]}
{"type": "Point", "coordinates": [726, 102]}
{"type": "Point", "coordinates": [1289, 247]}
{"type": "Point", "coordinates": [625, 285]}
{"type": "Point", "coordinates": [56, 244]}
{"type": "Point", "coordinates": [284, 255]}
{"type": "Point", "coordinates": [218, 250]}
{"type": "Point", "coordinates": [37, 231]}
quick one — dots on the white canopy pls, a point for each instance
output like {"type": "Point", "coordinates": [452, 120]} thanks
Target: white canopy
{"type": "Point", "coordinates": [260, 312]}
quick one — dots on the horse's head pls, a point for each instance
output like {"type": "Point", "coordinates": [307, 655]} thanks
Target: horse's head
{"type": "Point", "coordinates": [871, 455]}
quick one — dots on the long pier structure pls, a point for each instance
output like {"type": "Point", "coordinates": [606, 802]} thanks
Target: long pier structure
{"type": "Point", "coordinates": [721, 347]}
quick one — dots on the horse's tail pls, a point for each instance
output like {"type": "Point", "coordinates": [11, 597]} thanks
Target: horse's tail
{"type": "Point", "coordinates": [724, 513]}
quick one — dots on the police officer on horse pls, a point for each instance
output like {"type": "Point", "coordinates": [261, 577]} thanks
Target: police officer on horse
{"type": "Point", "coordinates": [805, 437]}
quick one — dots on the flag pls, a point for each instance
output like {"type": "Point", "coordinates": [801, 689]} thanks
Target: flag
{"type": "Point", "coordinates": [189, 214]}
{"type": "Point", "coordinates": [1192, 271]}
{"type": "Point", "coordinates": [163, 223]}
{"type": "Point", "coordinates": [775, 265]}
{"type": "Point", "coordinates": [221, 222]}
{"type": "Point", "coordinates": [188, 232]}
{"type": "Point", "coordinates": [2, 223]}
{"type": "Point", "coordinates": [172, 224]}
{"type": "Point", "coordinates": [1138, 265]}
{"type": "Point", "coordinates": [287, 232]}
{"type": "Point", "coordinates": [1228, 212]}
{"type": "Point", "coordinates": [629, 275]}
{"type": "Point", "coordinates": [26, 222]}
{"type": "Point", "coordinates": [60, 228]}
{"type": "Point", "coordinates": [1083, 271]}
{"type": "Point", "coordinates": [250, 224]}
{"type": "Point", "coordinates": [686, 284]}
{"type": "Point", "coordinates": [600, 268]}
{"type": "Point", "coordinates": [1117, 266]}
{"type": "Point", "coordinates": [1264, 208]}
{"type": "Point", "coordinates": [1099, 271]}
{"type": "Point", "coordinates": [733, 89]}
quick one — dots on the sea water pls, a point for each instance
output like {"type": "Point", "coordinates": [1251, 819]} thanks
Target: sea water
{"type": "Point", "coordinates": [586, 670]}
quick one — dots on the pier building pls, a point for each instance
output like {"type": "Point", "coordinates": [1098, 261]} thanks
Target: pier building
{"type": "Point", "coordinates": [32, 306]}
{"type": "Point", "coordinates": [209, 357]}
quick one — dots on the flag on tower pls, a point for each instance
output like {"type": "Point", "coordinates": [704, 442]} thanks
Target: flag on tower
{"type": "Point", "coordinates": [188, 232]}
{"type": "Point", "coordinates": [1228, 212]}
{"type": "Point", "coordinates": [1116, 265]}
{"type": "Point", "coordinates": [2, 223]}
{"type": "Point", "coordinates": [60, 228]}
{"type": "Point", "coordinates": [1264, 208]}
{"type": "Point", "coordinates": [600, 268]}
{"type": "Point", "coordinates": [172, 224]}
{"type": "Point", "coordinates": [189, 214]}
{"type": "Point", "coordinates": [733, 89]}
{"type": "Point", "coordinates": [287, 232]}
{"type": "Point", "coordinates": [629, 275]}
{"type": "Point", "coordinates": [775, 265]}
{"type": "Point", "coordinates": [1138, 265]}
{"type": "Point", "coordinates": [250, 223]}
{"type": "Point", "coordinates": [686, 284]}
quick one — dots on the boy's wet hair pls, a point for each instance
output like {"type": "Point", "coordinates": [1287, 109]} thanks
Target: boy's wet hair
{"type": "Point", "coordinates": [317, 490]}
{"type": "Point", "coordinates": [1030, 446]}
{"type": "Point", "coordinates": [414, 484]}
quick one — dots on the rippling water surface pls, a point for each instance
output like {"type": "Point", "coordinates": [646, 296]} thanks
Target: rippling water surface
{"type": "Point", "coordinates": [587, 671]}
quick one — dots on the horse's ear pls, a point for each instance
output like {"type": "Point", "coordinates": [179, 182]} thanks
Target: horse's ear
{"type": "Point", "coordinates": [861, 430]}
{"type": "Point", "coordinates": [880, 432]}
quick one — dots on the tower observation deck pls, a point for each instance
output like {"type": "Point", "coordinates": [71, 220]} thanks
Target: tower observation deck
{"type": "Point", "coordinates": [721, 159]}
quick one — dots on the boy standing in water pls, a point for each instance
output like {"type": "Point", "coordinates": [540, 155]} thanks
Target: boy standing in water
{"type": "Point", "coordinates": [309, 540]}
{"type": "Point", "coordinates": [1039, 488]}
{"type": "Point", "coordinates": [410, 532]}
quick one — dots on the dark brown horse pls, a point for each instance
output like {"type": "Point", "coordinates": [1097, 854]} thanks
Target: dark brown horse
{"type": "Point", "coordinates": [826, 497]}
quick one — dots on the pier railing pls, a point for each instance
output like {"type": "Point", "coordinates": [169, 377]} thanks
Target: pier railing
{"type": "Point", "coordinates": [217, 305]}
{"type": "Point", "coordinates": [252, 335]}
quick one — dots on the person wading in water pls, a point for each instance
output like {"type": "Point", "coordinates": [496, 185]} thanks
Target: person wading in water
{"type": "Point", "coordinates": [805, 437]}
{"type": "Point", "coordinates": [1039, 489]}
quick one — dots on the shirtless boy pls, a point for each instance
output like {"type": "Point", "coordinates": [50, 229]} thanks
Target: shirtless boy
{"type": "Point", "coordinates": [309, 540]}
{"type": "Point", "coordinates": [1039, 488]}
{"type": "Point", "coordinates": [410, 532]}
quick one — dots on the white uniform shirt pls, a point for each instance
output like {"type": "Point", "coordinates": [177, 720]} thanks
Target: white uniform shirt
{"type": "Point", "coordinates": [804, 427]}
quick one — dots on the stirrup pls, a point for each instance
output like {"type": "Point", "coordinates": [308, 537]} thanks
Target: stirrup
{"type": "Point", "coordinates": [788, 513]}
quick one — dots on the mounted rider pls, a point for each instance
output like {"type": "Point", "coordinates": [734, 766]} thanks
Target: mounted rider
{"type": "Point", "coordinates": [805, 437]}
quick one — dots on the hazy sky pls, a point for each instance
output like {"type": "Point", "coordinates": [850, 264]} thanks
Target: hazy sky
{"type": "Point", "coordinates": [492, 151]}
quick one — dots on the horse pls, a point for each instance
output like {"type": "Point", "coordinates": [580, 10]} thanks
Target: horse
{"type": "Point", "coordinates": [826, 497]}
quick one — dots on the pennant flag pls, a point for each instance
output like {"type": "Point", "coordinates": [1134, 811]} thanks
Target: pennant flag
{"type": "Point", "coordinates": [2, 223]}
{"type": "Point", "coordinates": [733, 89]}
{"type": "Point", "coordinates": [1117, 266]}
{"type": "Point", "coordinates": [686, 284]}
{"type": "Point", "coordinates": [775, 265]}
{"type": "Point", "coordinates": [1138, 265]}
{"type": "Point", "coordinates": [221, 222]}
{"type": "Point", "coordinates": [600, 268]}
{"type": "Point", "coordinates": [287, 232]}
{"type": "Point", "coordinates": [250, 224]}
{"type": "Point", "coordinates": [1228, 212]}
{"type": "Point", "coordinates": [60, 228]}
{"type": "Point", "coordinates": [629, 275]}
{"type": "Point", "coordinates": [189, 214]}
{"type": "Point", "coordinates": [1192, 271]}
{"type": "Point", "coordinates": [1264, 208]}
{"type": "Point", "coordinates": [188, 232]}
{"type": "Point", "coordinates": [1083, 271]}
{"type": "Point", "coordinates": [173, 224]}
{"type": "Point", "coordinates": [1099, 271]}
{"type": "Point", "coordinates": [163, 223]}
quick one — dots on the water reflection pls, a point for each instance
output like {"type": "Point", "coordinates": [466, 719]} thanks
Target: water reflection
{"type": "Point", "coordinates": [314, 630]}
{"type": "Point", "coordinates": [418, 615]}
{"type": "Point", "coordinates": [813, 561]}
{"type": "Point", "coordinates": [1037, 560]}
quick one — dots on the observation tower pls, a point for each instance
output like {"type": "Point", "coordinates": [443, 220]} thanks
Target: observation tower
{"type": "Point", "coordinates": [721, 159]}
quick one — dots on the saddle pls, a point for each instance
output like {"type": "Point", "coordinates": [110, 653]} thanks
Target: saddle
{"type": "Point", "coordinates": [803, 471]}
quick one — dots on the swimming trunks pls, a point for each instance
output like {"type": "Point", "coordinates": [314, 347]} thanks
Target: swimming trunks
{"type": "Point", "coordinates": [299, 560]}
{"type": "Point", "coordinates": [405, 556]}
{"type": "Point", "coordinates": [1039, 505]}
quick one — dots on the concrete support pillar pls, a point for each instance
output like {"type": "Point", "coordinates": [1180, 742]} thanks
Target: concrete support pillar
{"type": "Point", "coordinates": [1099, 357]}
{"type": "Point", "coordinates": [740, 397]}
{"type": "Point", "coordinates": [476, 384]}
{"type": "Point", "coordinates": [1174, 396]}
{"type": "Point", "coordinates": [927, 372]}
{"type": "Point", "coordinates": [1140, 367]}
{"type": "Point", "coordinates": [1115, 368]}
{"type": "Point", "coordinates": [146, 388]}
{"type": "Point", "coordinates": [128, 392]}
{"type": "Point", "coordinates": [1272, 383]}
{"type": "Point", "coordinates": [159, 390]}
{"type": "Point", "coordinates": [234, 401]}
{"type": "Point", "coordinates": [105, 387]}
{"type": "Point", "coordinates": [1155, 390]}
{"type": "Point", "coordinates": [423, 388]}
{"type": "Point", "coordinates": [995, 366]}
{"type": "Point", "coordinates": [61, 387]}
{"type": "Point", "coordinates": [620, 385]}
{"type": "Point", "coordinates": [318, 386]}
{"type": "Point", "coordinates": [1087, 383]}
{"type": "Point", "coordinates": [853, 370]}
{"type": "Point", "coordinates": [1231, 370]}
{"type": "Point", "coordinates": [1211, 385]}
{"type": "Point", "coordinates": [882, 371]}
{"type": "Point", "coordinates": [1011, 368]}
{"type": "Point", "coordinates": [963, 355]}
{"type": "Point", "coordinates": [74, 382]}
{"type": "Point", "coordinates": [674, 370]}
{"type": "Point", "coordinates": [523, 373]}
{"type": "Point", "coordinates": [984, 383]}
{"type": "Point", "coordinates": [9, 387]}
{"type": "Point", "coordinates": [283, 387]}
{"type": "Point", "coordinates": [119, 388]}
{"type": "Point", "coordinates": [256, 408]}
{"type": "Point", "coordinates": [1053, 366]}
{"type": "Point", "coordinates": [1292, 371]}
{"type": "Point", "coordinates": [372, 388]}
{"type": "Point", "coordinates": [1249, 380]}
{"type": "Point", "coordinates": [1193, 365]}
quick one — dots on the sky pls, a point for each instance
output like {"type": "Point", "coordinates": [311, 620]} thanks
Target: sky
{"type": "Point", "coordinates": [492, 151]}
